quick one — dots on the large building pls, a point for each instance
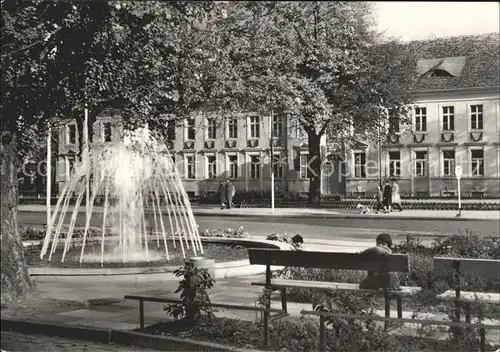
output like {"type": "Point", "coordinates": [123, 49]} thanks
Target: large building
{"type": "Point", "coordinates": [207, 150]}
{"type": "Point", "coordinates": [455, 122]}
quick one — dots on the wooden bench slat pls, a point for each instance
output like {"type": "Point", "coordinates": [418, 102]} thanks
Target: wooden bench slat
{"type": "Point", "coordinates": [328, 260]}
{"type": "Point", "coordinates": [487, 269]}
{"type": "Point", "coordinates": [323, 285]}
{"type": "Point", "coordinates": [469, 296]}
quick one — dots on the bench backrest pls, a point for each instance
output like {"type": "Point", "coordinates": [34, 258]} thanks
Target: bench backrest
{"type": "Point", "coordinates": [328, 260]}
{"type": "Point", "coordinates": [487, 269]}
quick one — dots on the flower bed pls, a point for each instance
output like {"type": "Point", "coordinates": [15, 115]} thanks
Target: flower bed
{"type": "Point", "coordinates": [462, 245]}
{"type": "Point", "coordinates": [302, 334]}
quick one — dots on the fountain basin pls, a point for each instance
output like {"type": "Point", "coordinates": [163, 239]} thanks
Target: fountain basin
{"type": "Point", "coordinates": [165, 270]}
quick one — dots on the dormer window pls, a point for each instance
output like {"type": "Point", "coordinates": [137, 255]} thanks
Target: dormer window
{"type": "Point", "coordinates": [441, 67]}
{"type": "Point", "coordinates": [438, 73]}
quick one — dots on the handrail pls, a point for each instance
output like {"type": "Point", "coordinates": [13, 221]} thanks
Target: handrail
{"type": "Point", "coordinates": [322, 331]}
{"type": "Point", "coordinates": [215, 305]}
{"type": "Point", "coordinates": [401, 320]}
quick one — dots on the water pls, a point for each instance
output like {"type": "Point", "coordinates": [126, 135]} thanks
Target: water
{"type": "Point", "coordinates": [131, 175]}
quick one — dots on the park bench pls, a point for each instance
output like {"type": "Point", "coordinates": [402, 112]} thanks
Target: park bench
{"type": "Point", "coordinates": [486, 269]}
{"type": "Point", "coordinates": [329, 260]}
{"type": "Point", "coordinates": [143, 299]}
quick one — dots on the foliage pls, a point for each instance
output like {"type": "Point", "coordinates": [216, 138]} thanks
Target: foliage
{"type": "Point", "coordinates": [226, 233]}
{"type": "Point", "coordinates": [38, 234]}
{"type": "Point", "coordinates": [319, 63]}
{"type": "Point", "coordinates": [462, 245]}
{"type": "Point", "coordinates": [466, 245]}
{"type": "Point", "coordinates": [194, 293]}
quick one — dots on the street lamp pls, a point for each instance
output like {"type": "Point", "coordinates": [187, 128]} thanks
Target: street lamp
{"type": "Point", "coordinates": [272, 159]}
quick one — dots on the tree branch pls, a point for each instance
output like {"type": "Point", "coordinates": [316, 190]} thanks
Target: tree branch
{"type": "Point", "coordinates": [30, 45]}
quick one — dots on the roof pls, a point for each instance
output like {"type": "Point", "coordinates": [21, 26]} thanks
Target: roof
{"type": "Point", "coordinates": [472, 61]}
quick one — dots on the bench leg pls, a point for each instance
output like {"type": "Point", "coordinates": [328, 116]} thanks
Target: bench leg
{"type": "Point", "coordinates": [141, 314]}
{"type": "Point", "coordinates": [467, 312]}
{"type": "Point", "coordinates": [283, 300]}
{"type": "Point", "coordinates": [399, 301]}
{"type": "Point", "coordinates": [387, 310]}
{"type": "Point", "coordinates": [267, 292]}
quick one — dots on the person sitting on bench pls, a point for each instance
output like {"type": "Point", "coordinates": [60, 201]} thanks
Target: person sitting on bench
{"type": "Point", "coordinates": [375, 279]}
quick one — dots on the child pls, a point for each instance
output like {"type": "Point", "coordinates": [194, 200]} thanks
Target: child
{"type": "Point", "coordinates": [376, 280]}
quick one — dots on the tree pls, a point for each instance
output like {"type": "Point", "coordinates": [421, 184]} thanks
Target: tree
{"type": "Point", "coordinates": [319, 63]}
{"type": "Point", "coordinates": [58, 57]}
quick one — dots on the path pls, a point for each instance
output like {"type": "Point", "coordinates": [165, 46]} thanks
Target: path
{"type": "Point", "coordinates": [16, 342]}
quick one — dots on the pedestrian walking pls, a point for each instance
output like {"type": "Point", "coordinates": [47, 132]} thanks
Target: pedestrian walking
{"type": "Point", "coordinates": [396, 198]}
{"type": "Point", "coordinates": [379, 198]}
{"type": "Point", "coordinates": [221, 195]}
{"type": "Point", "coordinates": [387, 200]}
{"type": "Point", "coordinates": [230, 192]}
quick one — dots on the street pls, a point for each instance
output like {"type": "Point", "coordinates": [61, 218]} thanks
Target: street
{"type": "Point", "coordinates": [315, 228]}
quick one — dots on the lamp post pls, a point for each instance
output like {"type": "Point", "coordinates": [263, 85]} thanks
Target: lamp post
{"type": "Point", "coordinates": [458, 174]}
{"type": "Point", "coordinates": [272, 159]}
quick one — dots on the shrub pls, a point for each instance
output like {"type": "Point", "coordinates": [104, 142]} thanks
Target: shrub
{"type": "Point", "coordinates": [226, 233]}
{"type": "Point", "coordinates": [194, 293]}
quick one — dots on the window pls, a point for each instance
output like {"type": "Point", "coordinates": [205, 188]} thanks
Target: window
{"type": "Point", "coordinates": [360, 164]}
{"type": "Point", "coordinates": [211, 166]}
{"type": "Point", "coordinates": [477, 162]}
{"type": "Point", "coordinates": [191, 129]}
{"type": "Point", "coordinates": [232, 126]}
{"type": "Point", "coordinates": [233, 166]}
{"type": "Point", "coordinates": [304, 159]}
{"type": "Point", "coordinates": [395, 164]}
{"type": "Point", "coordinates": [254, 127]}
{"type": "Point", "coordinates": [71, 134]}
{"type": "Point", "coordinates": [174, 166]}
{"type": "Point", "coordinates": [278, 166]}
{"type": "Point", "coordinates": [300, 132]}
{"type": "Point", "coordinates": [190, 168]}
{"type": "Point", "coordinates": [393, 121]}
{"type": "Point", "coordinates": [277, 126]}
{"type": "Point", "coordinates": [106, 128]}
{"type": "Point", "coordinates": [448, 163]}
{"type": "Point", "coordinates": [420, 163]}
{"type": "Point", "coordinates": [171, 131]}
{"type": "Point", "coordinates": [448, 118]}
{"type": "Point", "coordinates": [71, 164]}
{"type": "Point", "coordinates": [421, 119]}
{"type": "Point", "coordinates": [254, 166]}
{"type": "Point", "coordinates": [476, 117]}
{"type": "Point", "coordinates": [211, 128]}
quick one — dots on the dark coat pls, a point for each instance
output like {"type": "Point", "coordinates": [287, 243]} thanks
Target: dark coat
{"type": "Point", "coordinates": [387, 195]}
{"type": "Point", "coordinates": [221, 193]}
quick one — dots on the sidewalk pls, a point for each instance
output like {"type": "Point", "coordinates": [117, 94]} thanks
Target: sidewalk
{"type": "Point", "coordinates": [447, 215]}
{"type": "Point", "coordinates": [121, 314]}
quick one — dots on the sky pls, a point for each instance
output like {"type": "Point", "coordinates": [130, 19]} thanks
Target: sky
{"type": "Point", "coordinates": [414, 20]}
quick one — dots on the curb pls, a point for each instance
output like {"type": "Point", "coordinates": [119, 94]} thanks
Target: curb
{"type": "Point", "coordinates": [342, 217]}
{"type": "Point", "coordinates": [120, 337]}
{"type": "Point", "coordinates": [319, 216]}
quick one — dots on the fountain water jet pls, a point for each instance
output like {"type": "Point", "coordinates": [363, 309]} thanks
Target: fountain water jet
{"type": "Point", "coordinates": [129, 174]}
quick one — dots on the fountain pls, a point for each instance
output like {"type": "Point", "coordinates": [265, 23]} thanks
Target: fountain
{"type": "Point", "coordinates": [130, 175]}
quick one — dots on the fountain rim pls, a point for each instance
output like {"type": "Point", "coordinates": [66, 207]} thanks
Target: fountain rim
{"type": "Point", "coordinates": [166, 269]}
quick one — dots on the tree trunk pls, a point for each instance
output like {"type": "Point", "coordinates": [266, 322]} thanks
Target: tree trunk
{"type": "Point", "coordinates": [16, 281]}
{"type": "Point", "coordinates": [314, 168]}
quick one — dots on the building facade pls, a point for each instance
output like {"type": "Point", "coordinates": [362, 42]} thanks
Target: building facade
{"type": "Point", "coordinates": [455, 122]}
{"type": "Point", "coordinates": [207, 150]}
